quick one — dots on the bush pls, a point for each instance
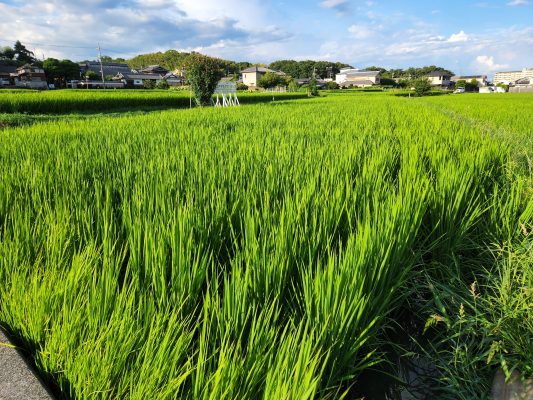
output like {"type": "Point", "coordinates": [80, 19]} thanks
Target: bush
{"type": "Point", "coordinates": [422, 86]}
{"type": "Point", "coordinates": [241, 86]}
{"type": "Point", "coordinates": [148, 84]}
{"type": "Point", "coordinates": [332, 85]}
{"type": "Point", "coordinates": [162, 84]}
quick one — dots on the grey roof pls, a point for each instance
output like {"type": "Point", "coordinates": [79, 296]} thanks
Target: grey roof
{"type": "Point", "coordinates": [108, 68]}
{"type": "Point", "coordinates": [362, 73]}
{"type": "Point", "coordinates": [439, 73]}
{"type": "Point", "coordinates": [360, 82]}
{"type": "Point", "coordinates": [138, 76]}
{"type": "Point", "coordinates": [7, 69]}
{"type": "Point", "coordinates": [257, 68]}
{"type": "Point", "coordinates": [470, 77]}
{"type": "Point", "coordinates": [154, 69]}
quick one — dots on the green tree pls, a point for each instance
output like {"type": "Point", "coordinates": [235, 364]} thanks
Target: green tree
{"type": "Point", "coordinates": [460, 83]}
{"type": "Point", "coordinates": [270, 80]}
{"type": "Point", "coordinates": [203, 74]}
{"type": "Point", "coordinates": [59, 72]}
{"type": "Point", "coordinates": [312, 88]}
{"type": "Point", "coordinates": [422, 86]}
{"type": "Point", "coordinates": [7, 53]}
{"type": "Point", "coordinates": [22, 54]}
{"type": "Point", "coordinates": [92, 76]}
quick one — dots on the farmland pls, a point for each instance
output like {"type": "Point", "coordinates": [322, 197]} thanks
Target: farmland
{"type": "Point", "coordinates": [267, 251]}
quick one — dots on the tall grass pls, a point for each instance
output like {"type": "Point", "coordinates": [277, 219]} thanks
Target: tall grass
{"type": "Point", "coordinates": [239, 253]}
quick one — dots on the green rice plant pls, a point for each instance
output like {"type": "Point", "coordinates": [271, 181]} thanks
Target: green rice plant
{"type": "Point", "coordinates": [251, 252]}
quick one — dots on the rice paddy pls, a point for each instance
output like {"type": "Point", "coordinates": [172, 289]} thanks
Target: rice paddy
{"type": "Point", "coordinates": [256, 252]}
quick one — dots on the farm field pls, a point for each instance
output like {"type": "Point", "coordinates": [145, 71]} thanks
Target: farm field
{"type": "Point", "coordinates": [280, 250]}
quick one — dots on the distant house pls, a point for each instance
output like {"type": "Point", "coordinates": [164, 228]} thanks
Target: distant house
{"type": "Point", "coordinates": [481, 79]}
{"type": "Point", "coordinates": [320, 83]}
{"type": "Point", "coordinates": [30, 76]}
{"type": "Point", "coordinates": [354, 77]}
{"type": "Point", "coordinates": [251, 76]}
{"type": "Point", "coordinates": [440, 78]}
{"type": "Point", "coordinates": [109, 69]}
{"type": "Point", "coordinates": [7, 73]}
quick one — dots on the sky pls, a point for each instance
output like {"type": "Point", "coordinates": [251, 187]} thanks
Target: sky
{"type": "Point", "coordinates": [467, 37]}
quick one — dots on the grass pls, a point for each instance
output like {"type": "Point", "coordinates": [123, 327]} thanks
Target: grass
{"type": "Point", "coordinates": [252, 252]}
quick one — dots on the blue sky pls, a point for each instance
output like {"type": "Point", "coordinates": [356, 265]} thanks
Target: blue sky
{"type": "Point", "coordinates": [464, 36]}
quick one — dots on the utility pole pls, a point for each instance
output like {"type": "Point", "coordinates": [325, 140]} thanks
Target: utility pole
{"type": "Point", "coordinates": [101, 66]}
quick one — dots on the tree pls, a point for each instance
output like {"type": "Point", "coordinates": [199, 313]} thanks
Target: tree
{"type": "Point", "coordinates": [270, 80]}
{"type": "Point", "coordinates": [7, 53]}
{"type": "Point", "coordinates": [313, 89]}
{"type": "Point", "coordinates": [422, 86]}
{"type": "Point", "coordinates": [22, 54]}
{"type": "Point", "coordinates": [460, 83]}
{"type": "Point", "coordinates": [203, 74]}
{"type": "Point", "coordinates": [92, 76]}
{"type": "Point", "coordinates": [59, 72]}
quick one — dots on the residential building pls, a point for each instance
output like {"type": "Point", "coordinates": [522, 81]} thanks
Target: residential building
{"type": "Point", "coordinates": [355, 77]}
{"type": "Point", "coordinates": [523, 85]}
{"type": "Point", "coordinates": [440, 78]}
{"type": "Point", "coordinates": [251, 76]}
{"type": "Point", "coordinates": [30, 76]}
{"type": "Point", "coordinates": [512, 76]}
{"type": "Point", "coordinates": [481, 79]}
{"type": "Point", "coordinates": [6, 74]}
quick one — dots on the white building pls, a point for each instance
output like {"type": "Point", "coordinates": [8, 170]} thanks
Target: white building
{"type": "Point", "coordinates": [512, 76]}
{"type": "Point", "coordinates": [356, 77]}
{"type": "Point", "coordinates": [440, 78]}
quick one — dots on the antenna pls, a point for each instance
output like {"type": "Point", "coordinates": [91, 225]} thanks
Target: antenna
{"type": "Point", "coordinates": [101, 66]}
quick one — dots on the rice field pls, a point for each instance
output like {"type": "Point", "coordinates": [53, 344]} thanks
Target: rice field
{"type": "Point", "coordinates": [258, 252]}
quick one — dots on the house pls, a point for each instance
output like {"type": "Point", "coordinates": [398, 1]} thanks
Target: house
{"type": "Point", "coordinates": [173, 79]}
{"type": "Point", "coordinates": [481, 79]}
{"type": "Point", "coordinates": [251, 76]}
{"type": "Point", "coordinates": [524, 85]}
{"type": "Point", "coordinates": [512, 76]}
{"type": "Point", "coordinates": [109, 69]}
{"type": "Point", "coordinates": [30, 76]}
{"type": "Point", "coordinates": [320, 83]}
{"type": "Point", "coordinates": [440, 78]}
{"type": "Point", "coordinates": [355, 77]}
{"type": "Point", "coordinates": [7, 74]}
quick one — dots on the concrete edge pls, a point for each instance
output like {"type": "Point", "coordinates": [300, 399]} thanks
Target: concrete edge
{"type": "Point", "coordinates": [17, 378]}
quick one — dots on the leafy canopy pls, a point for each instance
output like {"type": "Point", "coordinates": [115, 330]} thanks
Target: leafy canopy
{"type": "Point", "coordinates": [203, 74]}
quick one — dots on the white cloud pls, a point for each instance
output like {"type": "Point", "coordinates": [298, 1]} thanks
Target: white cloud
{"type": "Point", "coordinates": [333, 3]}
{"type": "Point", "coordinates": [488, 63]}
{"type": "Point", "coordinates": [458, 37]}
{"type": "Point", "coordinates": [516, 3]}
{"type": "Point", "coordinates": [361, 31]}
